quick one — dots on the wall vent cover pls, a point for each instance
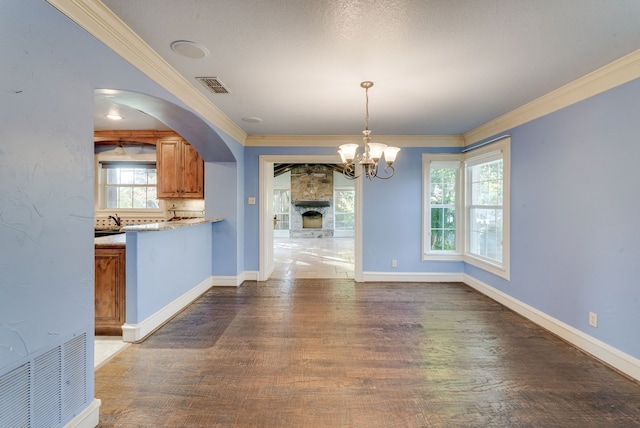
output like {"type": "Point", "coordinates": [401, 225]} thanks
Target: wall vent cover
{"type": "Point", "coordinates": [48, 389]}
{"type": "Point", "coordinates": [214, 85]}
{"type": "Point", "coordinates": [15, 397]}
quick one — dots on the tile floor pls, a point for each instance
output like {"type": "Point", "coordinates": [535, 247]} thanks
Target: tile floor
{"type": "Point", "coordinates": [296, 258]}
{"type": "Point", "coordinates": [106, 347]}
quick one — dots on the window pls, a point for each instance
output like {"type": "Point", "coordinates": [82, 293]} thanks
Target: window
{"type": "Point", "coordinates": [127, 185]}
{"type": "Point", "coordinates": [281, 207]}
{"type": "Point", "coordinates": [485, 208]}
{"type": "Point", "coordinates": [344, 211]}
{"type": "Point", "coordinates": [442, 182]}
{"type": "Point", "coordinates": [466, 207]}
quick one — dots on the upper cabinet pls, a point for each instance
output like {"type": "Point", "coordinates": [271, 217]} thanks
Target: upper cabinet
{"type": "Point", "coordinates": [180, 169]}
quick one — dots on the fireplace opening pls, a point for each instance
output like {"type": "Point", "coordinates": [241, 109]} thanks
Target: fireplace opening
{"type": "Point", "coordinates": [312, 220]}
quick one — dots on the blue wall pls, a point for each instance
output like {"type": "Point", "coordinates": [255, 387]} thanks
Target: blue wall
{"type": "Point", "coordinates": [575, 225]}
{"type": "Point", "coordinates": [162, 266]}
{"type": "Point", "coordinates": [392, 219]}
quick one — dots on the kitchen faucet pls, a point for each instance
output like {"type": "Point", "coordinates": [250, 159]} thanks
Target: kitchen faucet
{"type": "Point", "coordinates": [116, 219]}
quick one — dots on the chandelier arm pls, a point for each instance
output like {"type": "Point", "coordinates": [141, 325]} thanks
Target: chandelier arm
{"type": "Point", "coordinates": [386, 169]}
{"type": "Point", "coordinates": [349, 171]}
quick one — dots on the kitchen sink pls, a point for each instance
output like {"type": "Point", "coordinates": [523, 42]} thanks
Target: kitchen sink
{"type": "Point", "coordinates": [107, 232]}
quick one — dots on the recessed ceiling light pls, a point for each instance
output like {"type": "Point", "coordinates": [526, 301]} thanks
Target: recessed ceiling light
{"type": "Point", "coordinates": [252, 119]}
{"type": "Point", "coordinates": [189, 49]}
{"type": "Point", "coordinates": [113, 116]}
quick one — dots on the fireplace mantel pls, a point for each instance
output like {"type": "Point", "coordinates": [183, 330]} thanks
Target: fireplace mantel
{"type": "Point", "coordinates": [312, 204]}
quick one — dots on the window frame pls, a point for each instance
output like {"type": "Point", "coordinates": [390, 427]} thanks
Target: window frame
{"type": "Point", "coordinates": [498, 149]}
{"type": "Point", "coordinates": [99, 181]}
{"type": "Point", "coordinates": [430, 159]}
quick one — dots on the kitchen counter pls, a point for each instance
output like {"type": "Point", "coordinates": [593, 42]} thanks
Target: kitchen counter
{"type": "Point", "coordinates": [111, 241]}
{"type": "Point", "coordinates": [169, 225]}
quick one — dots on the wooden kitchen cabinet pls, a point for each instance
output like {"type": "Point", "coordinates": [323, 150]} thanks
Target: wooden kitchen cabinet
{"type": "Point", "coordinates": [180, 170]}
{"type": "Point", "coordinates": [110, 291]}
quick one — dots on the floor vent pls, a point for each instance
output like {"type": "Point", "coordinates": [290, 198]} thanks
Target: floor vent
{"type": "Point", "coordinates": [48, 389]}
{"type": "Point", "coordinates": [214, 85]}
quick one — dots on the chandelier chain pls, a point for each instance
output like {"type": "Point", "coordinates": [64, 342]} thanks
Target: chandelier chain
{"type": "Point", "coordinates": [366, 121]}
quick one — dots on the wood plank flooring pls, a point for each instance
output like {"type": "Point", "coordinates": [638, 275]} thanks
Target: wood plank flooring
{"type": "Point", "coordinates": [333, 353]}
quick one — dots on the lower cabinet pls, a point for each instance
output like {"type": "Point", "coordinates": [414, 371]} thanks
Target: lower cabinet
{"type": "Point", "coordinates": [110, 291]}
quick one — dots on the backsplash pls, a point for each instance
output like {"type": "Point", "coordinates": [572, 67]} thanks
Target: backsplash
{"type": "Point", "coordinates": [173, 208]}
{"type": "Point", "coordinates": [107, 223]}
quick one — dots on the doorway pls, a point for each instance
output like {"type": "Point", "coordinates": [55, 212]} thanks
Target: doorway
{"type": "Point", "coordinates": [304, 257]}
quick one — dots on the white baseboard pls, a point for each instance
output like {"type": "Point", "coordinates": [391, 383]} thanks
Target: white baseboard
{"type": "Point", "coordinates": [137, 332]}
{"type": "Point", "coordinates": [88, 418]}
{"type": "Point", "coordinates": [412, 277]}
{"type": "Point", "coordinates": [249, 275]}
{"type": "Point", "coordinates": [227, 281]}
{"type": "Point", "coordinates": [617, 359]}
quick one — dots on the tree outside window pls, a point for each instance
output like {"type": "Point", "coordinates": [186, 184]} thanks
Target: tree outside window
{"type": "Point", "coordinates": [443, 208]}
{"type": "Point", "coordinates": [344, 214]}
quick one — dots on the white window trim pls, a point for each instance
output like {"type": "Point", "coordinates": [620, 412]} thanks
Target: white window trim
{"type": "Point", "coordinates": [479, 155]}
{"type": "Point", "coordinates": [427, 252]}
{"type": "Point", "coordinates": [122, 212]}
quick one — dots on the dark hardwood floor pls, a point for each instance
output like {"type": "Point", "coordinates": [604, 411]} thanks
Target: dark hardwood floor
{"type": "Point", "coordinates": [332, 353]}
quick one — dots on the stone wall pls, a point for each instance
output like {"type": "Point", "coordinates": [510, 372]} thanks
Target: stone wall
{"type": "Point", "coordinates": [311, 183]}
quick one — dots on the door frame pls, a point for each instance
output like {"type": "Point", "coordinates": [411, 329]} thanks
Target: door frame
{"type": "Point", "coordinates": [265, 207]}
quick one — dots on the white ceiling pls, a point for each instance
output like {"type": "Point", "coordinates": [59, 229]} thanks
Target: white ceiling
{"type": "Point", "coordinates": [439, 66]}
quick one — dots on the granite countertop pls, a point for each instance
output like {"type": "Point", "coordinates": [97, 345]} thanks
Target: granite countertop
{"type": "Point", "coordinates": [169, 225]}
{"type": "Point", "coordinates": [111, 241]}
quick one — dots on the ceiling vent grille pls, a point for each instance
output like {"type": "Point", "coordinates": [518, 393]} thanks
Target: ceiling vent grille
{"type": "Point", "coordinates": [214, 85]}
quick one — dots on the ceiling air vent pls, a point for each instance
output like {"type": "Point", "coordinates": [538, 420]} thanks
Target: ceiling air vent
{"type": "Point", "coordinates": [214, 85]}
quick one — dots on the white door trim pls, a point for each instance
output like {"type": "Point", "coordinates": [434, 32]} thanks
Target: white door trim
{"type": "Point", "coordinates": [266, 210]}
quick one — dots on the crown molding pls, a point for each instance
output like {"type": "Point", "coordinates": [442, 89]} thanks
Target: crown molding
{"type": "Point", "coordinates": [608, 77]}
{"type": "Point", "coordinates": [104, 25]}
{"type": "Point", "coordinates": [336, 140]}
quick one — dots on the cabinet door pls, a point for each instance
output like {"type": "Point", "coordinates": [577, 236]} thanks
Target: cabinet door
{"type": "Point", "coordinates": [193, 172]}
{"type": "Point", "coordinates": [109, 291]}
{"type": "Point", "coordinates": [169, 166]}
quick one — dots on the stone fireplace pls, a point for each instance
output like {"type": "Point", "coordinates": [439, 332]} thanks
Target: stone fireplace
{"type": "Point", "coordinates": [312, 202]}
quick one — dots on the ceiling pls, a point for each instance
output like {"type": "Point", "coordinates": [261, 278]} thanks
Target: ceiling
{"type": "Point", "coordinates": [440, 67]}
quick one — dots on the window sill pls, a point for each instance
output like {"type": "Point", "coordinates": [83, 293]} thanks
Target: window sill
{"type": "Point", "coordinates": [493, 268]}
{"type": "Point", "coordinates": [442, 257]}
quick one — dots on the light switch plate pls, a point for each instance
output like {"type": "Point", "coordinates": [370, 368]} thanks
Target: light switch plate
{"type": "Point", "coordinates": [252, 200]}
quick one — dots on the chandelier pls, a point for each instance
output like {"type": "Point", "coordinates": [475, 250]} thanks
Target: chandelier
{"type": "Point", "coordinates": [370, 158]}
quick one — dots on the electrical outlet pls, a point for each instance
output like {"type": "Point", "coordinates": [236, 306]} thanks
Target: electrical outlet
{"type": "Point", "coordinates": [394, 263]}
{"type": "Point", "coordinates": [593, 319]}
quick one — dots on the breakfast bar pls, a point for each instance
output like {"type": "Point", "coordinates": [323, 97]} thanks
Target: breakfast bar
{"type": "Point", "coordinates": [149, 273]}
